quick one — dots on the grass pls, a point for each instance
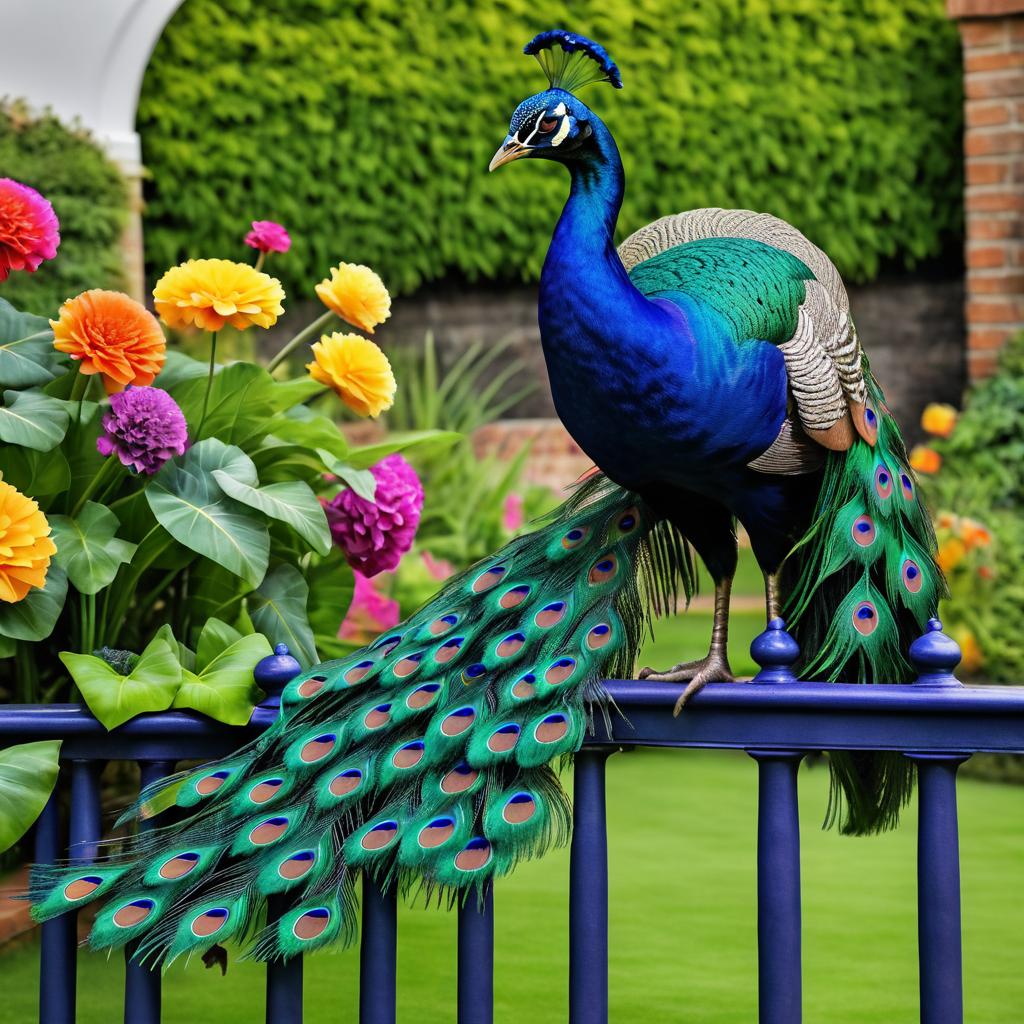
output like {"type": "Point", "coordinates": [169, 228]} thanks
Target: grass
{"type": "Point", "coordinates": [683, 923]}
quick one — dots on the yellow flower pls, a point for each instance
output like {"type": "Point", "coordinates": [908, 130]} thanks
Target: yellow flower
{"type": "Point", "coordinates": [951, 554]}
{"type": "Point", "coordinates": [357, 295]}
{"type": "Point", "coordinates": [972, 657]}
{"type": "Point", "coordinates": [25, 545]}
{"type": "Point", "coordinates": [357, 370]}
{"type": "Point", "coordinates": [212, 293]}
{"type": "Point", "coordinates": [938, 419]}
{"type": "Point", "coordinates": [925, 459]}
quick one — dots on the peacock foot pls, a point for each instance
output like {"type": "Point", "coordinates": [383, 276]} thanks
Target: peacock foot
{"type": "Point", "coordinates": [714, 668]}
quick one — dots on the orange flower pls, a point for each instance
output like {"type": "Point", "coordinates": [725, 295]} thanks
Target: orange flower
{"type": "Point", "coordinates": [357, 295]}
{"type": "Point", "coordinates": [212, 293]}
{"type": "Point", "coordinates": [112, 335]}
{"type": "Point", "coordinates": [355, 368]}
{"type": "Point", "coordinates": [951, 554]}
{"type": "Point", "coordinates": [25, 545]}
{"type": "Point", "coordinates": [972, 657]}
{"type": "Point", "coordinates": [938, 419]}
{"type": "Point", "coordinates": [946, 521]}
{"type": "Point", "coordinates": [974, 535]}
{"type": "Point", "coordinates": [925, 459]}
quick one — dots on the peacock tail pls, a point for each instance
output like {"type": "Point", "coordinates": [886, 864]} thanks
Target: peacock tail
{"type": "Point", "coordinates": [423, 760]}
{"type": "Point", "coordinates": [862, 585]}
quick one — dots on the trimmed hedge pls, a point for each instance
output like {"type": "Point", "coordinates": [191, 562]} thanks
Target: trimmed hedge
{"type": "Point", "coordinates": [366, 128]}
{"type": "Point", "coordinates": [88, 195]}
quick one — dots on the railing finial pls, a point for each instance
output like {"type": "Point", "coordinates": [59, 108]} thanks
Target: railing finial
{"type": "Point", "coordinates": [776, 652]}
{"type": "Point", "coordinates": [274, 672]}
{"type": "Point", "coordinates": [934, 656]}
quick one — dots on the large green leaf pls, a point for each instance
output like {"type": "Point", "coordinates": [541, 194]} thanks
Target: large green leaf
{"type": "Point", "coordinates": [331, 585]}
{"type": "Point", "coordinates": [28, 773]}
{"type": "Point", "coordinates": [38, 474]}
{"type": "Point", "coordinates": [278, 610]}
{"type": "Point", "coordinates": [35, 615]}
{"type": "Point", "coordinates": [80, 448]}
{"type": "Point", "coordinates": [293, 503]}
{"type": "Point", "coordinates": [32, 419]}
{"type": "Point", "coordinates": [223, 686]}
{"type": "Point", "coordinates": [87, 549]}
{"type": "Point", "coordinates": [407, 442]}
{"type": "Point", "coordinates": [27, 356]}
{"type": "Point", "coordinates": [179, 368]}
{"type": "Point", "coordinates": [362, 481]}
{"type": "Point", "coordinates": [302, 426]}
{"type": "Point", "coordinates": [113, 698]}
{"type": "Point", "coordinates": [190, 505]}
{"type": "Point", "coordinates": [279, 461]}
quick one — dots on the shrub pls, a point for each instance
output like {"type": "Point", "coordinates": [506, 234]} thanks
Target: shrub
{"type": "Point", "coordinates": [367, 128]}
{"type": "Point", "coordinates": [88, 195]}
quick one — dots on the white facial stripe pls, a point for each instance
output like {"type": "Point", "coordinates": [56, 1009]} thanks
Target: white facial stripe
{"type": "Point", "coordinates": [563, 130]}
{"type": "Point", "coordinates": [559, 111]}
{"type": "Point", "coordinates": [536, 128]}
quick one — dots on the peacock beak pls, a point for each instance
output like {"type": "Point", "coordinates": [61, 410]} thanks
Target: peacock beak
{"type": "Point", "coordinates": [508, 151]}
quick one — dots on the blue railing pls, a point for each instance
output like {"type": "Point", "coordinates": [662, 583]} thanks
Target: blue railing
{"type": "Point", "coordinates": [936, 722]}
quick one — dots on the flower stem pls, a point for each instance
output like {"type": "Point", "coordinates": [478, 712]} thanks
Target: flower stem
{"type": "Point", "coordinates": [209, 383]}
{"type": "Point", "coordinates": [316, 327]}
{"type": "Point", "coordinates": [104, 475]}
{"type": "Point", "coordinates": [78, 389]}
{"type": "Point", "coordinates": [259, 260]}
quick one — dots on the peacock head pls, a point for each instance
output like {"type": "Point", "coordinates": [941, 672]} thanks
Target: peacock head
{"type": "Point", "coordinates": [554, 124]}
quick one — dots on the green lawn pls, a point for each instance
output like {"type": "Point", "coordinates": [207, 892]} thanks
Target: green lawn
{"type": "Point", "coordinates": [683, 928]}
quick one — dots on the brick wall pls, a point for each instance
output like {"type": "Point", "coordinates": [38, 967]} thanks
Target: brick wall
{"type": "Point", "coordinates": [993, 39]}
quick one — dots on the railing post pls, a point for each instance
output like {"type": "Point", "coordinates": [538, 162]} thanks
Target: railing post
{"type": "Point", "coordinates": [938, 889]}
{"type": "Point", "coordinates": [142, 984]}
{"type": "Point", "coordinates": [476, 958]}
{"type": "Point", "coordinates": [377, 954]}
{"type": "Point", "coordinates": [588, 892]}
{"type": "Point", "coordinates": [284, 977]}
{"type": "Point", "coordinates": [779, 967]}
{"type": "Point", "coordinates": [56, 996]}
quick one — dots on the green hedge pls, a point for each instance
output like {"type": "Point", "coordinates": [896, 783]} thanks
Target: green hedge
{"type": "Point", "coordinates": [88, 195]}
{"type": "Point", "coordinates": [366, 128]}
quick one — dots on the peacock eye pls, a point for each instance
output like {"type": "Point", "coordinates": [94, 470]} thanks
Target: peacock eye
{"type": "Point", "coordinates": [548, 125]}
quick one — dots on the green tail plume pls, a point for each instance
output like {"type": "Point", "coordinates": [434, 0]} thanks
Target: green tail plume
{"type": "Point", "coordinates": [862, 585]}
{"type": "Point", "coordinates": [422, 759]}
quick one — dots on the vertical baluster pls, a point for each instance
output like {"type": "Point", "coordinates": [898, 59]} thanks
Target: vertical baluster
{"type": "Point", "coordinates": [284, 977]}
{"type": "Point", "coordinates": [476, 959]}
{"type": "Point", "coordinates": [778, 887]}
{"type": "Point", "coordinates": [142, 984]}
{"type": "Point", "coordinates": [588, 893]}
{"type": "Point", "coordinates": [56, 967]}
{"type": "Point", "coordinates": [938, 890]}
{"type": "Point", "coordinates": [377, 953]}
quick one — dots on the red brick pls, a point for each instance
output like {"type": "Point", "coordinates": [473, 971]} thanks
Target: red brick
{"type": "Point", "coordinates": [986, 256]}
{"type": "Point", "coordinates": [983, 33]}
{"type": "Point", "coordinates": [1011, 284]}
{"type": "Point", "coordinates": [981, 364]}
{"type": "Point", "coordinates": [993, 85]}
{"type": "Point", "coordinates": [993, 201]}
{"type": "Point", "coordinates": [994, 142]}
{"type": "Point", "coordinates": [987, 338]}
{"type": "Point", "coordinates": [1002, 61]}
{"type": "Point", "coordinates": [983, 228]}
{"type": "Point", "coordinates": [982, 8]}
{"type": "Point", "coordinates": [987, 172]}
{"type": "Point", "coordinates": [984, 114]}
{"type": "Point", "coordinates": [995, 311]}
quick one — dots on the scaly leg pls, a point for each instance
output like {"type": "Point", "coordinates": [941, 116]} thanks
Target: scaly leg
{"type": "Point", "coordinates": [712, 668]}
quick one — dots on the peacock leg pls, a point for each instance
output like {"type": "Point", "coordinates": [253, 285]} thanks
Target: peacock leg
{"type": "Point", "coordinates": [714, 667]}
{"type": "Point", "coordinates": [772, 602]}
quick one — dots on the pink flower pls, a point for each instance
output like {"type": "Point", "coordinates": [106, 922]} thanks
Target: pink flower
{"type": "Point", "coordinates": [29, 232]}
{"type": "Point", "coordinates": [439, 568]}
{"type": "Point", "coordinates": [375, 534]}
{"type": "Point", "coordinates": [370, 613]}
{"type": "Point", "coordinates": [514, 516]}
{"type": "Point", "coordinates": [268, 236]}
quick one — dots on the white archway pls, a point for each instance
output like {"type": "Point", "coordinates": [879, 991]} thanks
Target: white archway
{"type": "Point", "coordinates": [85, 59]}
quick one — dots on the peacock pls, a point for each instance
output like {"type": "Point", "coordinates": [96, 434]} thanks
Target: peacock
{"type": "Point", "coordinates": [711, 370]}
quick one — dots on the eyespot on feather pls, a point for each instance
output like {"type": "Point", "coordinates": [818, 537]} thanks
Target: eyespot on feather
{"type": "Point", "coordinates": [603, 570]}
{"type": "Point", "coordinates": [865, 618]}
{"type": "Point", "coordinates": [515, 596]}
{"type": "Point", "coordinates": [863, 531]}
{"type": "Point", "coordinates": [550, 615]}
{"type": "Point", "coordinates": [488, 578]}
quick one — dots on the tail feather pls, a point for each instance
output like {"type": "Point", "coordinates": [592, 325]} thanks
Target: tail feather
{"type": "Point", "coordinates": [862, 585]}
{"type": "Point", "coordinates": [422, 759]}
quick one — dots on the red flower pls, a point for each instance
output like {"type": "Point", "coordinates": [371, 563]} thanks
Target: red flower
{"type": "Point", "coordinates": [28, 228]}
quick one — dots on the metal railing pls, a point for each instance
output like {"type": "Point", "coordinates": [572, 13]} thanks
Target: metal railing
{"type": "Point", "coordinates": [936, 721]}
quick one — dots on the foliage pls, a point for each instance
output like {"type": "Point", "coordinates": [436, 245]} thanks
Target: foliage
{"type": "Point", "coordinates": [88, 195]}
{"type": "Point", "coordinates": [368, 129]}
{"type": "Point", "coordinates": [979, 487]}
{"type": "Point", "coordinates": [28, 773]}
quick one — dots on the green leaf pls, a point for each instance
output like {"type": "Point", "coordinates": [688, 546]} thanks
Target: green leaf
{"type": "Point", "coordinates": [33, 419]}
{"type": "Point", "coordinates": [331, 585]}
{"type": "Point", "coordinates": [28, 773]}
{"type": "Point", "coordinates": [39, 474]}
{"type": "Point", "coordinates": [35, 615]}
{"type": "Point", "coordinates": [362, 481]}
{"type": "Point", "coordinates": [193, 509]}
{"type": "Point", "coordinates": [224, 688]}
{"type": "Point", "coordinates": [410, 441]}
{"type": "Point", "coordinates": [27, 356]}
{"type": "Point", "coordinates": [179, 368]}
{"type": "Point", "coordinates": [87, 548]}
{"type": "Point", "coordinates": [278, 610]}
{"type": "Point", "coordinates": [293, 503]}
{"type": "Point", "coordinates": [304, 427]}
{"type": "Point", "coordinates": [216, 636]}
{"type": "Point", "coordinates": [113, 698]}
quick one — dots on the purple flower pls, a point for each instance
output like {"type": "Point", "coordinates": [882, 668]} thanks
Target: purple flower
{"type": "Point", "coordinates": [144, 427]}
{"type": "Point", "coordinates": [268, 236]}
{"type": "Point", "coordinates": [375, 534]}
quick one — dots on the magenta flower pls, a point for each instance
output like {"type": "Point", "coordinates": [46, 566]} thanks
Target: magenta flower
{"type": "Point", "coordinates": [375, 534]}
{"type": "Point", "coordinates": [144, 427]}
{"type": "Point", "coordinates": [513, 516]}
{"type": "Point", "coordinates": [29, 232]}
{"type": "Point", "coordinates": [370, 613]}
{"type": "Point", "coordinates": [267, 236]}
